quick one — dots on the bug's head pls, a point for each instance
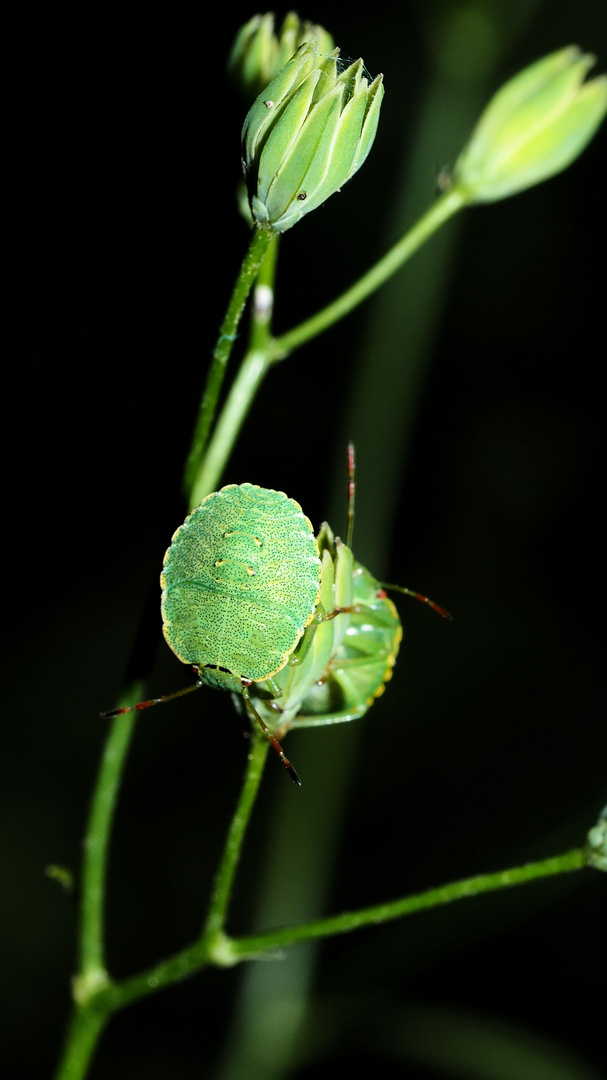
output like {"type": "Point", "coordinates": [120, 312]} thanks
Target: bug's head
{"type": "Point", "coordinates": [220, 678]}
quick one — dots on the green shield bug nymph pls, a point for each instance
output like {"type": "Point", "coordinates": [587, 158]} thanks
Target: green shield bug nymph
{"type": "Point", "coordinates": [291, 624]}
{"type": "Point", "coordinates": [240, 584]}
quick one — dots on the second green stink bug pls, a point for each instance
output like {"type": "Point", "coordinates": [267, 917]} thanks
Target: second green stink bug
{"type": "Point", "coordinates": [348, 660]}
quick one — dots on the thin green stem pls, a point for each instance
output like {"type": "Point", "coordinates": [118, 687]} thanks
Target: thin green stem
{"type": "Point", "coordinates": [262, 307]}
{"type": "Point", "coordinates": [96, 843]}
{"type": "Point", "coordinates": [444, 208]}
{"type": "Point", "coordinates": [238, 402]}
{"type": "Point", "coordinates": [88, 1020]}
{"type": "Point", "coordinates": [96, 996]}
{"type": "Point", "coordinates": [85, 1029]}
{"type": "Point", "coordinates": [245, 386]}
{"type": "Point", "coordinates": [222, 890]}
{"type": "Point", "coordinates": [261, 239]}
{"type": "Point", "coordinates": [265, 350]}
{"type": "Point", "coordinates": [213, 945]}
{"type": "Point", "coordinates": [216, 947]}
{"type": "Point", "coordinates": [397, 909]}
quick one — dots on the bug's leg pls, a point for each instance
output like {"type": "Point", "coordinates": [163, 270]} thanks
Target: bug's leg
{"type": "Point", "coordinates": [325, 719]}
{"type": "Point", "coordinates": [273, 687]}
{"type": "Point", "coordinates": [353, 609]}
{"type": "Point", "coordinates": [274, 743]}
{"type": "Point", "coordinates": [152, 701]}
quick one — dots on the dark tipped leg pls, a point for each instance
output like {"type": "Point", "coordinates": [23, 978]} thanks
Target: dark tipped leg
{"type": "Point", "coordinates": [152, 701]}
{"type": "Point", "coordinates": [274, 743]}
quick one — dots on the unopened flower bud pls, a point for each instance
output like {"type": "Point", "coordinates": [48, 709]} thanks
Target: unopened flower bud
{"type": "Point", "coordinates": [306, 134]}
{"type": "Point", "coordinates": [259, 52]}
{"type": "Point", "coordinates": [534, 126]}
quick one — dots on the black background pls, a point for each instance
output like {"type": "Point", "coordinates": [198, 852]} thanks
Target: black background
{"type": "Point", "coordinates": [121, 245]}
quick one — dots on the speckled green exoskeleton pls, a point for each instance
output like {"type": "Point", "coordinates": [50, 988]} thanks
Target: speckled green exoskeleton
{"type": "Point", "coordinates": [289, 623]}
{"type": "Point", "coordinates": [240, 584]}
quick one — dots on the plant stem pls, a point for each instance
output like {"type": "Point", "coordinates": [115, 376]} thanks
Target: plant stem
{"type": "Point", "coordinates": [266, 350]}
{"type": "Point", "coordinates": [88, 1020]}
{"type": "Point", "coordinates": [83, 1035]}
{"type": "Point", "coordinates": [96, 996]}
{"type": "Point", "coordinates": [222, 891]}
{"type": "Point", "coordinates": [261, 239]}
{"type": "Point", "coordinates": [213, 946]}
{"type": "Point", "coordinates": [396, 909]}
{"type": "Point", "coordinates": [444, 208]}
{"type": "Point", "coordinates": [216, 947]}
{"type": "Point", "coordinates": [262, 307]}
{"type": "Point", "coordinates": [96, 843]}
{"type": "Point", "coordinates": [238, 402]}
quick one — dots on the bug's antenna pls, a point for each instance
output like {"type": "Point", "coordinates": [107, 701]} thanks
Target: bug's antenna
{"type": "Point", "coordinates": [153, 701]}
{"type": "Point", "coordinates": [274, 743]}
{"type": "Point", "coordinates": [419, 596]}
{"type": "Point", "coordinates": [351, 492]}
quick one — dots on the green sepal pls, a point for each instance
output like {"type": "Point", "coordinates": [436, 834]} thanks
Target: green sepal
{"type": "Point", "coordinates": [261, 116]}
{"type": "Point", "coordinates": [307, 158]}
{"type": "Point", "coordinates": [375, 96]}
{"type": "Point", "coordinates": [285, 135]}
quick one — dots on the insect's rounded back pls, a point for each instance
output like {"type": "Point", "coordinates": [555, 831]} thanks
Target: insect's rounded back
{"type": "Point", "coordinates": [241, 582]}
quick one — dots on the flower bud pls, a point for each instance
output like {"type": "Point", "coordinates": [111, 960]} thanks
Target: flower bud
{"type": "Point", "coordinates": [258, 53]}
{"type": "Point", "coordinates": [535, 126]}
{"type": "Point", "coordinates": [306, 134]}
